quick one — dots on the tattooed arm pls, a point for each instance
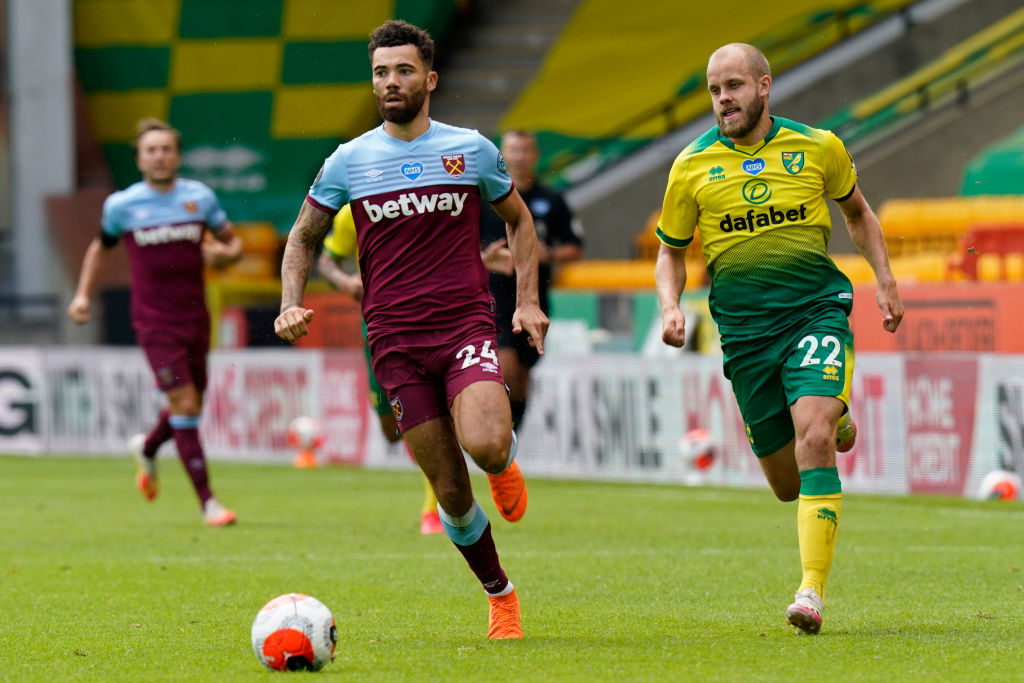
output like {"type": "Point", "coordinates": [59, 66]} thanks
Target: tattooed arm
{"type": "Point", "coordinates": [305, 235]}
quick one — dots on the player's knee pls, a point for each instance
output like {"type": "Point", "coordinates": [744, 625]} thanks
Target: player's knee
{"type": "Point", "coordinates": [446, 491]}
{"type": "Point", "coordinates": [186, 405]}
{"type": "Point", "coordinates": [185, 400]}
{"type": "Point", "coordinates": [490, 449]}
{"type": "Point", "coordinates": [786, 491]}
{"type": "Point", "coordinates": [816, 444]}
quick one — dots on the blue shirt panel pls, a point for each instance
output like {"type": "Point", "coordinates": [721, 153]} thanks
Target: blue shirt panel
{"type": "Point", "coordinates": [140, 206]}
{"type": "Point", "coordinates": [376, 163]}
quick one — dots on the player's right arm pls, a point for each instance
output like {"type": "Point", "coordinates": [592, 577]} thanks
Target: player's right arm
{"type": "Point", "coordinates": [675, 230]}
{"type": "Point", "coordinates": [305, 235]}
{"type": "Point", "coordinates": [670, 279]}
{"type": "Point", "coordinates": [95, 261]}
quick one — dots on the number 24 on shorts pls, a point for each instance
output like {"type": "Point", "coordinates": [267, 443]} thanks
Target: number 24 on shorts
{"type": "Point", "coordinates": [469, 357]}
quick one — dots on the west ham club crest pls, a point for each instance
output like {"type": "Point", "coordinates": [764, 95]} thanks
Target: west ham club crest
{"type": "Point", "coordinates": [455, 164]}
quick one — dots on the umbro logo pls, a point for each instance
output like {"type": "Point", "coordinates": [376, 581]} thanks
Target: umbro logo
{"type": "Point", "coordinates": [373, 175]}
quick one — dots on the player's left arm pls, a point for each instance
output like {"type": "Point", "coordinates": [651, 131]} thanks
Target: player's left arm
{"type": "Point", "coordinates": [224, 249]}
{"type": "Point", "coordinates": [522, 242]}
{"type": "Point", "coordinates": [866, 233]}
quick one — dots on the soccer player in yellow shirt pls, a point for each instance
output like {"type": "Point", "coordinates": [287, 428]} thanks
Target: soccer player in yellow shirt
{"type": "Point", "coordinates": [755, 187]}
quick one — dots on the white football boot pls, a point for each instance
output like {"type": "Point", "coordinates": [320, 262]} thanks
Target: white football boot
{"type": "Point", "coordinates": [805, 612]}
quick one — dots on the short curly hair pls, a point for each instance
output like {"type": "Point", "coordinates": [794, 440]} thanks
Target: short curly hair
{"type": "Point", "coordinates": [396, 32]}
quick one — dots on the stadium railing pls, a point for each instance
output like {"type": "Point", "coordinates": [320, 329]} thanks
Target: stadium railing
{"type": "Point", "coordinates": [947, 78]}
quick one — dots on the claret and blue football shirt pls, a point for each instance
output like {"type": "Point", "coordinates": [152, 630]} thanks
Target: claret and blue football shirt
{"type": "Point", "coordinates": [416, 207]}
{"type": "Point", "coordinates": [163, 234]}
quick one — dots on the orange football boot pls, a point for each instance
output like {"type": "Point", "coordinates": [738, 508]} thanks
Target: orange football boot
{"type": "Point", "coordinates": [215, 514]}
{"type": "Point", "coordinates": [145, 468]}
{"type": "Point", "coordinates": [508, 490]}
{"type": "Point", "coordinates": [503, 621]}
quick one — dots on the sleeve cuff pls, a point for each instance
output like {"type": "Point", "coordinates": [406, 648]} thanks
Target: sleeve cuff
{"type": "Point", "coordinates": [503, 197]}
{"type": "Point", "coordinates": [672, 241]}
{"type": "Point", "coordinates": [317, 205]}
{"type": "Point", "coordinates": [847, 195]}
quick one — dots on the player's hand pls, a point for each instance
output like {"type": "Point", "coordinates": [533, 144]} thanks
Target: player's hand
{"type": "Point", "coordinates": [351, 285]}
{"type": "Point", "coordinates": [355, 289]}
{"type": "Point", "coordinates": [498, 257]}
{"type": "Point", "coordinates": [78, 309]}
{"type": "Point", "coordinates": [293, 323]}
{"type": "Point", "coordinates": [889, 302]}
{"type": "Point", "coordinates": [533, 321]}
{"type": "Point", "coordinates": [673, 327]}
{"type": "Point", "coordinates": [216, 254]}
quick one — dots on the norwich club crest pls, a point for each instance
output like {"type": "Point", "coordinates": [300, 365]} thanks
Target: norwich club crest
{"type": "Point", "coordinates": [793, 161]}
{"type": "Point", "coordinates": [455, 164]}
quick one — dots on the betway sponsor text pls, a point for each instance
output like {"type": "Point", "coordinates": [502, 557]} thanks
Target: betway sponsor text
{"type": "Point", "coordinates": [412, 204]}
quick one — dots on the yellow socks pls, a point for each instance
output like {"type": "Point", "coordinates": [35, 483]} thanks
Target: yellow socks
{"type": "Point", "coordinates": [817, 514]}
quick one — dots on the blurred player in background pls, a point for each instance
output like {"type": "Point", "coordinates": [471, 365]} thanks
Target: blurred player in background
{"type": "Point", "coordinates": [416, 186]}
{"type": "Point", "coordinates": [164, 221]}
{"type": "Point", "coordinates": [754, 187]}
{"type": "Point", "coordinates": [560, 240]}
{"type": "Point", "coordinates": [339, 245]}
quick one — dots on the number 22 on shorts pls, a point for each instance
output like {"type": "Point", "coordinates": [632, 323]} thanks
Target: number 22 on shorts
{"type": "Point", "coordinates": [829, 344]}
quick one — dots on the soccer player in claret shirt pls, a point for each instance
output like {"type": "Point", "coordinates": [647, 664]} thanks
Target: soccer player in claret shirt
{"type": "Point", "coordinates": [415, 186]}
{"type": "Point", "coordinates": [755, 187]}
{"type": "Point", "coordinates": [166, 222]}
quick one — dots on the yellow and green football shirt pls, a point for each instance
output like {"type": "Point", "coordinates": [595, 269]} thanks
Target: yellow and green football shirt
{"type": "Point", "coordinates": [764, 223]}
{"type": "Point", "coordinates": [341, 240]}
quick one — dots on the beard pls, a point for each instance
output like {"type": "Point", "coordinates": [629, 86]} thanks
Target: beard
{"type": "Point", "coordinates": [748, 119]}
{"type": "Point", "coordinates": [410, 109]}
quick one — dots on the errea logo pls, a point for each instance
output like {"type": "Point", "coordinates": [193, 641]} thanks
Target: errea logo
{"type": "Point", "coordinates": [411, 204]}
{"type": "Point", "coordinates": [716, 173]}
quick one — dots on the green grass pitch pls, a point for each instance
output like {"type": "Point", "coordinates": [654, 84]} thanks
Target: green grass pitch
{"type": "Point", "coordinates": [618, 582]}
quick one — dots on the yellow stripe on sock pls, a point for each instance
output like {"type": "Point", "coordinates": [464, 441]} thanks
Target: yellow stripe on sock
{"type": "Point", "coordinates": [817, 520]}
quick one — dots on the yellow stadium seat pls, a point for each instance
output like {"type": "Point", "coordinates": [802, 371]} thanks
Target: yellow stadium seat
{"type": "Point", "coordinates": [258, 236]}
{"type": "Point", "coordinates": [989, 267]}
{"type": "Point", "coordinates": [1013, 266]}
